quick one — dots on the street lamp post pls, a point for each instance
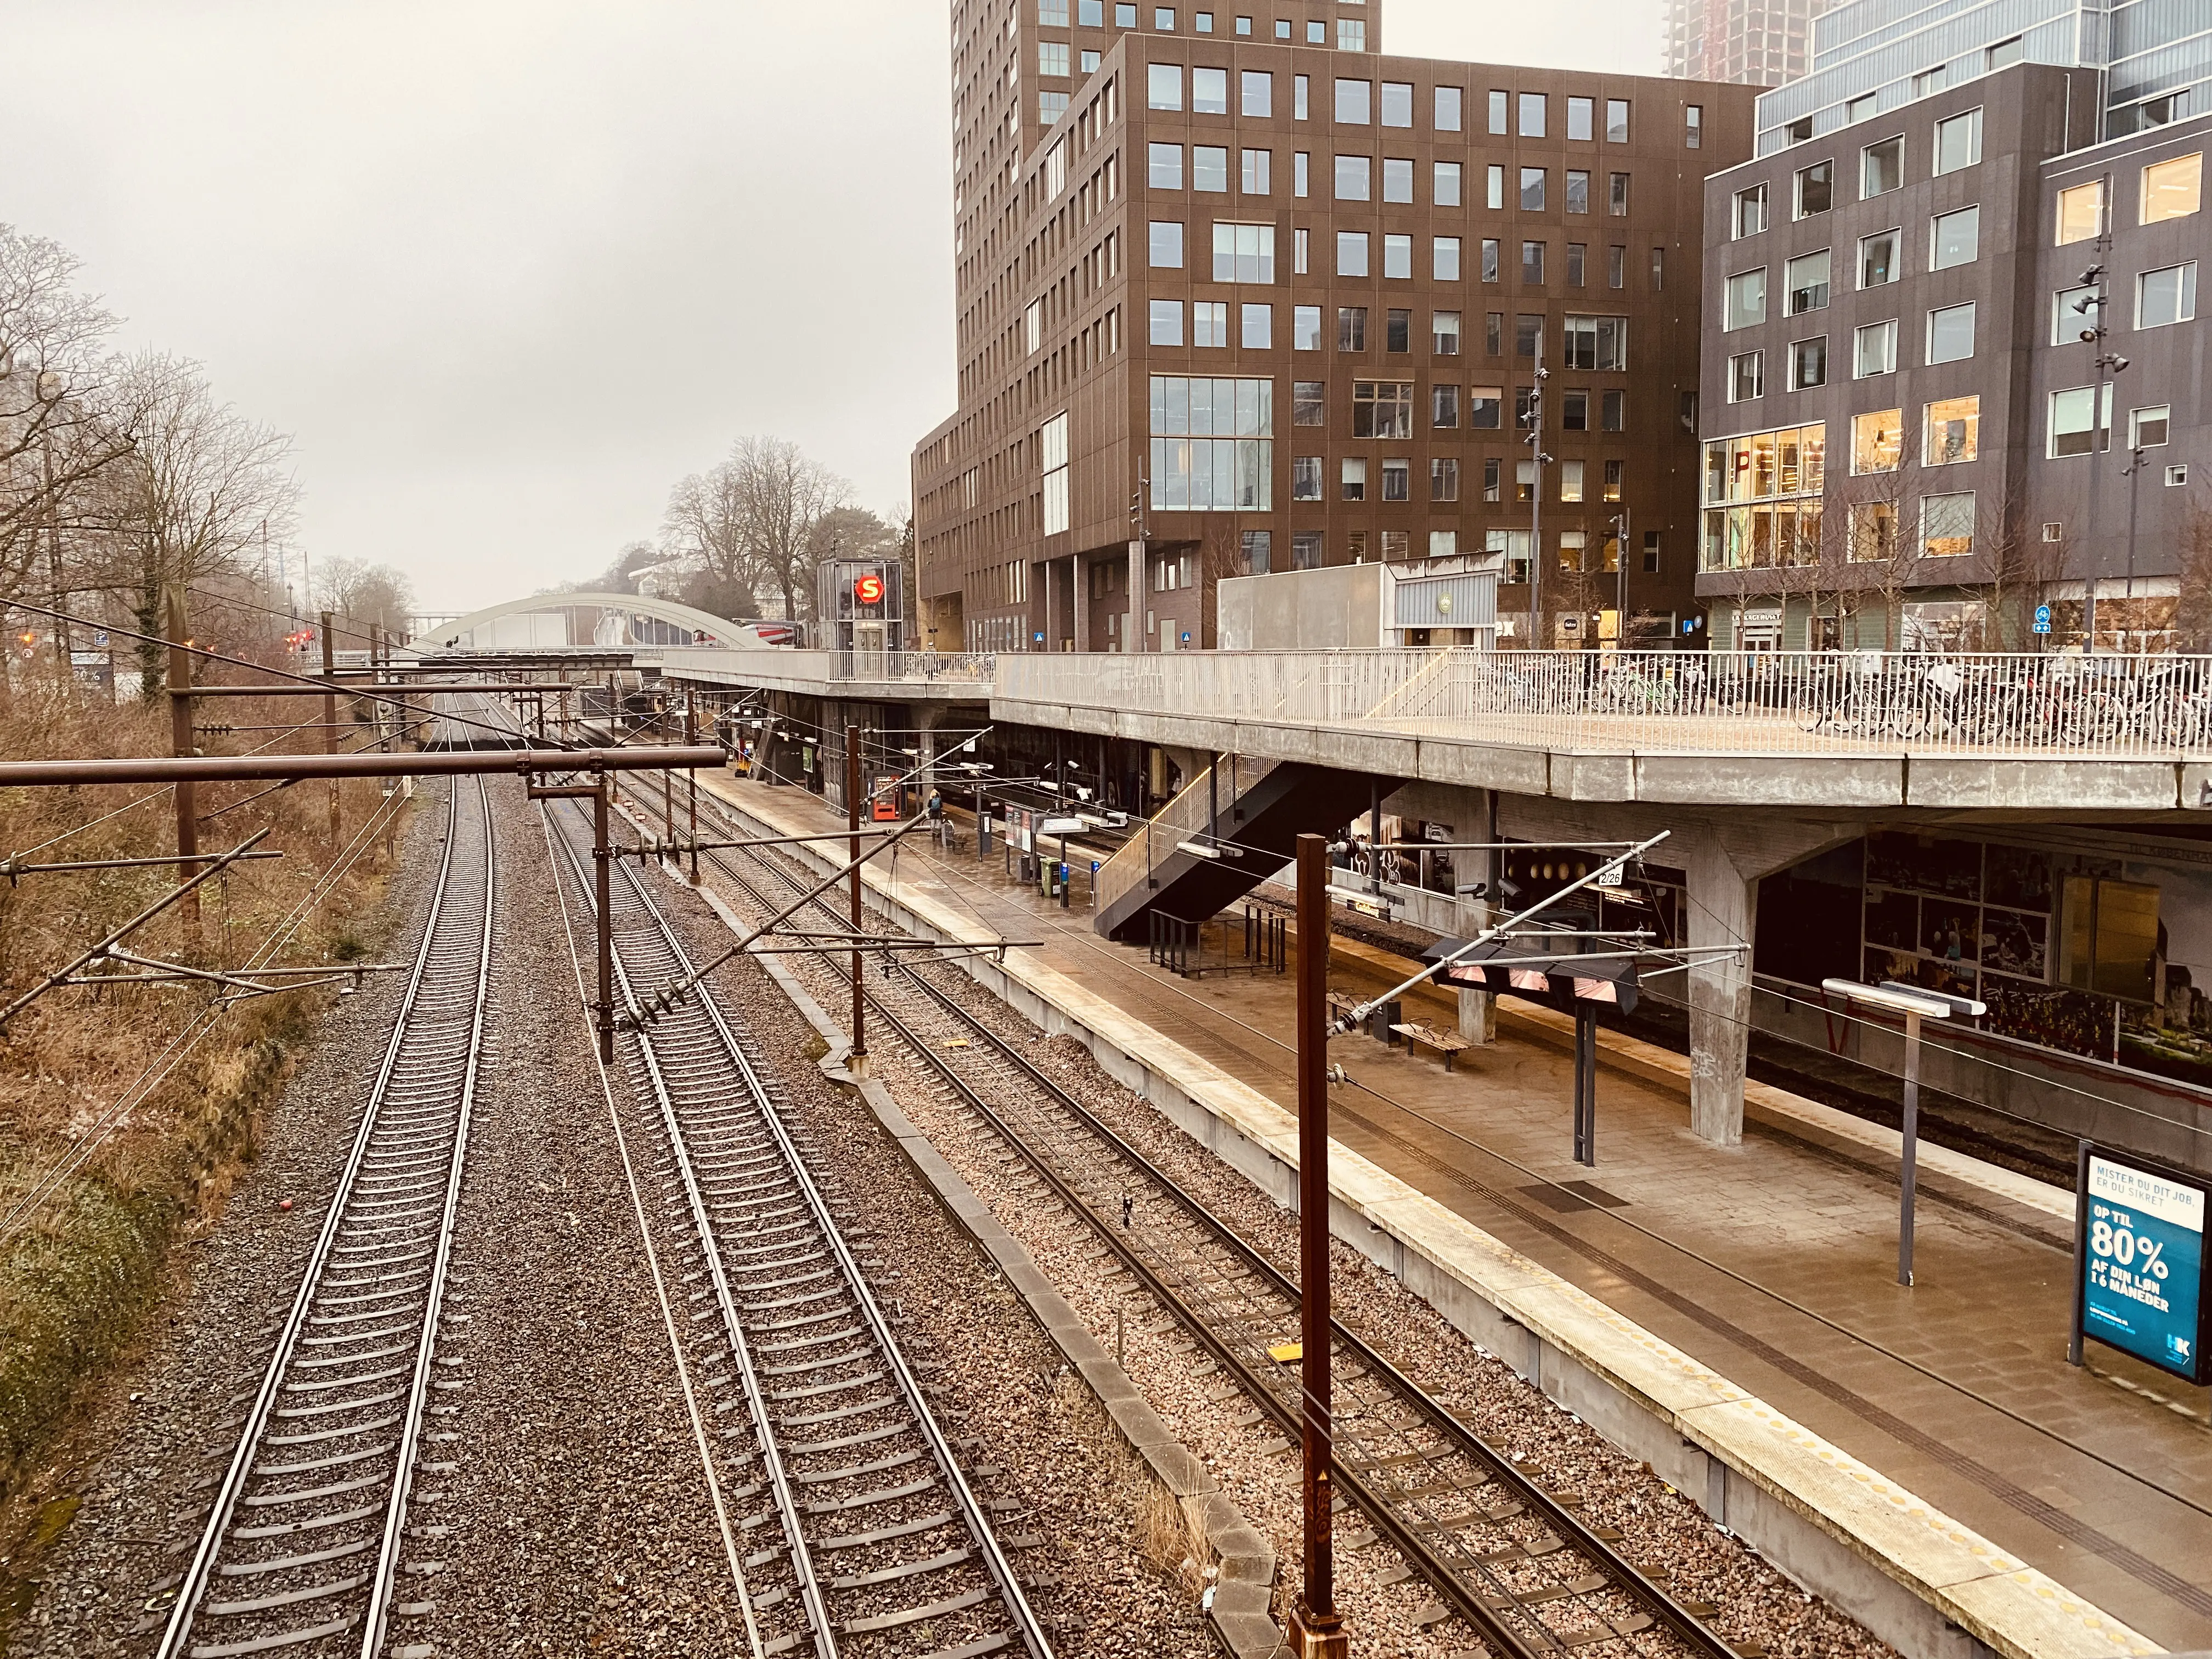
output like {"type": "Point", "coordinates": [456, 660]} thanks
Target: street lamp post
{"type": "Point", "coordinates": [1535, 442]}
{"type": "Point", "coordinates": [1915, 1005]}
{"type": "Point", "coordinates": [2135, 501]}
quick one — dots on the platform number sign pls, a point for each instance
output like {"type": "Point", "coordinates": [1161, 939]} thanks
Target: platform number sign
{"type": "Point", "coordinates": [2142, 1263]}
{"type": "Point", "coordinates": [2043, 619]}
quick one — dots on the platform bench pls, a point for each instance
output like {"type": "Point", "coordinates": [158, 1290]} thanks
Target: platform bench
{"type": "Point", "coordinates": [1447, 1043]}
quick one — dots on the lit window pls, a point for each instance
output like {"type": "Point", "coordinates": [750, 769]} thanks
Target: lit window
{"type": "Point", "coordinates": [1615, 475]}
{"type": "Point", "coordinates": [2081, 212]}
{"type": "Point", "coordinates": [1953, 432]}
{"type": "Point", "coordinates": [1877, 442]}
{"type": "Point", "coordinates": [1882, 168]}
{"type": "Point", "coordinates": [2172, 190]}
{"type": "Point", "coordinates": [1955, 239]}
{"type": "Point", "coordinates": [1570, 482]}
{"type": "Point", "coordinates": [2165, 296]}
{"type": "Point", "coordinates": [1874, 350]}
{"type": "Point", "coordinates": [1959, 141]}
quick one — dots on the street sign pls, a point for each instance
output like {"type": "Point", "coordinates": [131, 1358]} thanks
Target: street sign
{"type": "Point", "coordinates": [2142, 1261]}
{"type": "Point", "coordinates": [2043, 619]}
{"type": "Point", "coordinates": [101, 640]}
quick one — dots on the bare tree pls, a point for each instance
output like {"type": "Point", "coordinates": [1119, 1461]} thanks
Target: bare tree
{"type": "Point", "coordinates": [61, 430]}
{"type": "Point", "coordinates": [205, 485]}
{"type": "Point", "coordinates": [360, 593]}
{"type": "Point", "coordinates": [704, 526]}
{"type": "Point", "coordinates": [781, 495]}
{"type": "Point", "coordinates": [2192, 617]}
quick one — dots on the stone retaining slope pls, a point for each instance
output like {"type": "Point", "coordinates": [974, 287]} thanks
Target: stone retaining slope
{"type": "Point", "coordinates": [1924, 1581]}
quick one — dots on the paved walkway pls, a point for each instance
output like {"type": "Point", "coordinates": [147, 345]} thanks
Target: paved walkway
{"type": "Point", "coordinates": [1773, 1262]}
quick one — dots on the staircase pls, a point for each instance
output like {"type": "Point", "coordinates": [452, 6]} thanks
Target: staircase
{"type": "Point", "coordinates": [1263, 808]}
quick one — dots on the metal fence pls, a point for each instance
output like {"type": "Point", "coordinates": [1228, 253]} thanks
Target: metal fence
{"type": "Point", "coordinates": [1766, 702]}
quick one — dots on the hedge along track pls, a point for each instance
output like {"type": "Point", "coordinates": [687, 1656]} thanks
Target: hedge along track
{"type": "Point", "coordinates": [1504, 1552]}
{"type": "Point", "coordinates": [868, 1540]}
{"type": "Point", "coordinates": [302, 1552]}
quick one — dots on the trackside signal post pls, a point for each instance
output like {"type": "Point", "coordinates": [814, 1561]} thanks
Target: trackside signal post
{"type": "Point", "coordinates": [1317, 1628]}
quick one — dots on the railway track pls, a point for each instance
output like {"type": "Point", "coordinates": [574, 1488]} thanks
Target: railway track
{"type": "Point", "coordinates": [308, 1540]}
{"type": "Point", "coordinates": [1501, 1548]}
{"type": "Point", "coordinates": [865, 1535]}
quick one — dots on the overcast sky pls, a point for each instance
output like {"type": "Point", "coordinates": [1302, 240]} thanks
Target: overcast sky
{"type": "Point", "coordinates": [508, 270]}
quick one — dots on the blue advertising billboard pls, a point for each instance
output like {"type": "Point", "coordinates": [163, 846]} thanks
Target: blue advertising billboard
{"type": "Point", "coordinates": [2142, 1263]}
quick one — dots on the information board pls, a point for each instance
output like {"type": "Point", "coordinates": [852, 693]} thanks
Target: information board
{"type": "Point", "coordinates": [2142, 1263]}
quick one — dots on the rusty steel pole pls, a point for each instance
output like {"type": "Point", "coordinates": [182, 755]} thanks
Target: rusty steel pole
{"type": "Point", "coordinates": [1316, 1630]}
{"type": "Point", "coordinates": [853, 823]}
{"type": "Point", "coordinates": [330, 718]}
{"type": "Point", "coordinates": [602, 857]}
{"type": "Point", "coordinates": [180, 743]}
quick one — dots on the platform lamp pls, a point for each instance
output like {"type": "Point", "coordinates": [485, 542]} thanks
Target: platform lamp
{"type": "Point", "coordinates": [1916, 1004]}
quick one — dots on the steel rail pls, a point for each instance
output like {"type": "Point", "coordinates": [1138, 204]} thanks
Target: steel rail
{"type": "Point", "coordinates": [248, 769]}
{"type": "Point", "coordinates": [1447, 1578]}
{"type": "Point", "coordinates": [382, 1113]}
{"type": "Point", "coordinates": [1028, 1630]}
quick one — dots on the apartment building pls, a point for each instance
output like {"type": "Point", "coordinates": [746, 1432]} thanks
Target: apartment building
{"type": "Point", "coordinates": [1900, 372]}
{"type": "Point", "coordinates": [1239, 294]}
{"type": "Point", "coordinates": [1760, 43]}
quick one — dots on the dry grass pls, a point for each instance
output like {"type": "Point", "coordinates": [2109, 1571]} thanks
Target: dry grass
{"type": "Point", "coordinates": [1168, 1535]}
{"type": "Point", "coordinates": [76, 1278]}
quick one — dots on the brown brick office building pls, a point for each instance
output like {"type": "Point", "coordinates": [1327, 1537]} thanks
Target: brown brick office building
{"type": "Point", "coordinates": [1239, 292]}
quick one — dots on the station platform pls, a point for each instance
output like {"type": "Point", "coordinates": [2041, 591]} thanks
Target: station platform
{"type": "Point", "coordinates": [1744, 1297]}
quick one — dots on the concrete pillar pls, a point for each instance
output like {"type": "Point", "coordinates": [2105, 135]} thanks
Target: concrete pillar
{"type": "Point", "coordinates": [1478, 1016]}
{"type": "Point", "coordinates": [1079, 578]}
{"type": "Point", "coordinates": [1723, 909]}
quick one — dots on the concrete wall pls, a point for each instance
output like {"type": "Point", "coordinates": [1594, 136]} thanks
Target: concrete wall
{"type": "Point", "coordinates": [1347, 605]}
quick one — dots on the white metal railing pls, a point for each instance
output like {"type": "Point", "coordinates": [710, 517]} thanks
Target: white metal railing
{"type": "Point", "coordinates": [2056, 705]}
{"type": "Point", "coordinates": [1187, 814]}
{"type": "Point", "coordinates": [778, 665]}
